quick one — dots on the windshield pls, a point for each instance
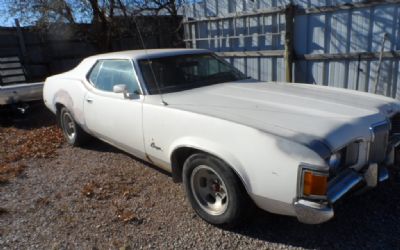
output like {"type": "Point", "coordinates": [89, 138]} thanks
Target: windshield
{"type": "Point", "coordinates": [175, 73]}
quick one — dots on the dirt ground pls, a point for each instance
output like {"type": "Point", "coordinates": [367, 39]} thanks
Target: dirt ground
{"type": "Point", "coordinates": [53, 196]}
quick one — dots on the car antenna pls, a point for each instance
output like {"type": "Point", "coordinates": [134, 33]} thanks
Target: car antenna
{"type": "Point", "coordinates": [150, 64]}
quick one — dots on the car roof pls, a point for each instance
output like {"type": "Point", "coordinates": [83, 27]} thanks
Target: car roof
{"type": "Point", "coordinates": [149, 53]}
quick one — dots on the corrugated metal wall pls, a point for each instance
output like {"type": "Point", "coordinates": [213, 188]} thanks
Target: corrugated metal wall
{"type": "Point", "coordinates": [333, 46]}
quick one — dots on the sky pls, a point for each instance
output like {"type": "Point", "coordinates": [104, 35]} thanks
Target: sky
{"type": "Point", "coordinates": [7, 21]}
{"type": "Point", "coordinates": [3, 19]}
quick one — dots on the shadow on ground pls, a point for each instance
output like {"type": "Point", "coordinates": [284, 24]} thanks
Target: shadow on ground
{"type": "Point", "coordinates": [36, 116]}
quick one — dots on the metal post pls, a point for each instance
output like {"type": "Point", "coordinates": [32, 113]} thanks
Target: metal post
{"type": "Point", "coordinates": [288, 56]}
{"type": "Point", "coordinates": [22, 47]}
{"type": "Point", "coordinates": [20, 38]}
{"type": "Point", "coordinates": [385, 36]}
{"type": "Point", "coordinates": [186, 27]}
{"type": "Point", "coordinates": [358, 71]}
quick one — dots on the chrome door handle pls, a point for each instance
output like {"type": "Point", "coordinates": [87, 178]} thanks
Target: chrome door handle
{"type": "Point", "coordinates": [89, 100]}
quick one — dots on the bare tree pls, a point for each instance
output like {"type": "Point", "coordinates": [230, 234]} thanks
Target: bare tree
{"type": "Point", "coordinates": [157, 7]}
{"type": "Point", "coordinates": [43, 12]}
{"type": "Point", "coordinates": [104, 15]}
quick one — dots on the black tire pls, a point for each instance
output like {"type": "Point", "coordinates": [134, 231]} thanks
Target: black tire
{"type": "Point", "coordinates": [229, 211]}
{"type": "Point", "coordinates": [73, 133]}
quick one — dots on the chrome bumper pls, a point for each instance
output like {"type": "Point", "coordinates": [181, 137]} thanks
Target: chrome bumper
{"type": "Point", "coordinates": [21, 92]}
{"type": "Point", "coordinates": [311, 212]}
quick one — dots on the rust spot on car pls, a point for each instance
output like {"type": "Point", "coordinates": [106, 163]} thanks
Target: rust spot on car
{"type": "Point", "coordinates": [65, 99]}
{"type": "Point", "coordinates": [149, 159]}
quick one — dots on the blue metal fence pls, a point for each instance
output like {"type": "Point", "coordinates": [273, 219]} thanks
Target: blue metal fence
{"type": "Point", "coordinates": [336, 42]}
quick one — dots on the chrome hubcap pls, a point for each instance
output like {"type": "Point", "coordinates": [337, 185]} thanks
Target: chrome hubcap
{"type": "Point", "coordinates": [209, 190]}
{"type": "Point", "coordinates": [68, 125]}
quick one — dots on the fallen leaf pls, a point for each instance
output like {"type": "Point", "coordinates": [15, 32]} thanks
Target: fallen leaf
{"type": "Point", "coordinates": [126, 216]}
{"type": "Point", "coordinates": [88, 189]}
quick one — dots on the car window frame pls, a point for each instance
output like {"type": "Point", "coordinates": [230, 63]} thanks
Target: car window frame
{"type": "Point", "coordinates": [158, 91]}
{"type": "Point", "coordinates": [112, 59]}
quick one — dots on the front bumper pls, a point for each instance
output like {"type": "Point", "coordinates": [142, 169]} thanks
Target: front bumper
{"type": "Point", "coordinates": [311, 212]}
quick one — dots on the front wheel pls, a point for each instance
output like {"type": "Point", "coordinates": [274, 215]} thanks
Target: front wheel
{"type": "Point", "coordinates": [214, 191]}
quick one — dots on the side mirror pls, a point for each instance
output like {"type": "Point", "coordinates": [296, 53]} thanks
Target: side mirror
{"type": "Point", "coordinates": [120, 88]}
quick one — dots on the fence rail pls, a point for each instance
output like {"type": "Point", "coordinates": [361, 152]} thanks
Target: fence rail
{"type": "Point", "coordinates": [336, 43]}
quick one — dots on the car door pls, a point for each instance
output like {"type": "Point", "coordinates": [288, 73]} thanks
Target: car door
{"type": "Point", "coordinates": [111, 116]}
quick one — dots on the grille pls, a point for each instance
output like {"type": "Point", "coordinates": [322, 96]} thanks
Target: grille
{"type": "Point", "coordinates": [349, 157]}
{"type": "Point", "coordinates": [395, 124]}
{"type": "Point", "coordinates": [378, 147]}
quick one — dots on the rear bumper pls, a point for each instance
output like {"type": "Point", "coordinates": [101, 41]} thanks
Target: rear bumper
{"type": "Point", "coordinates": [311, 212]}
{"type": "Point", "coordinates": [24, 92]}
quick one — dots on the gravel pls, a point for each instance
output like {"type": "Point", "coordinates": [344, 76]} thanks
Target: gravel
{"type": "Point", "coordinates": [98, 197]}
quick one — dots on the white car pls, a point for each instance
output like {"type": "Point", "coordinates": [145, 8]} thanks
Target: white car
{"type": "Point", "coordinates": [290, 149]}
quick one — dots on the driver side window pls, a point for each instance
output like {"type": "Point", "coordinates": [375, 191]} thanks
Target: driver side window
{"type": "Point", "coordinates": [108, 73]}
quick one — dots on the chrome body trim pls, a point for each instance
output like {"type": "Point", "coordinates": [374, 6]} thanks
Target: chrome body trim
{"type": "Point", "coordinates": [309, 212]}
{"type": "Point", "coordinates": [383, 174]}
{"type": "Point", "coordinates": [140, 78]}
{"type": "Point", "coordinates": [394, 141]}
{"type": "Point", "coordinates": [378, 124]}
{"type": "Point", "coordinates": [315, 212]}
{"type": "Point", "coordinates": [363, 151]}
{"type": "Point", "coordinates": [318, 170]}
{"type": "Point", "coordinates": [139, 75]}
{"type": "Point", "coordinates": [342, 184]}
{"type": "Point", "coordinates": [363, 155]}
{"type": "Point", "coordinates": [371, 175]}
{"type": "Point", "coordinates": [135, 73]}
{"type": "Point", "coordinates": [347, 180]}
{"type": "Point", "coordinates": [380, 134]}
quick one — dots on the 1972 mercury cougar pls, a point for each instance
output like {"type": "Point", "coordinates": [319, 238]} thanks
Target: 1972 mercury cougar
{"type": "Point", "coordinates": [290, 149]}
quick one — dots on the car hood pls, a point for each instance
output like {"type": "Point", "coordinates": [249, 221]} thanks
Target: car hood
{"type": "Point", "coordinates": [309, 114]}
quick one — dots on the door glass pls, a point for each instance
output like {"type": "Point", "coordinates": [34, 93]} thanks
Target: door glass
{"type": "Point", "coordinates": [108, 73]}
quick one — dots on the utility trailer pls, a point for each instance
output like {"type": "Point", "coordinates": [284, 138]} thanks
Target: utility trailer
{"type": "Point", "coordinates": [15, 91]}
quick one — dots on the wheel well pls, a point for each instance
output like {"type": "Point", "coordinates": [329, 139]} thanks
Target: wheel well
{"type": "Point", "coordinates": [178, 158]}
{"type": "Point", "coordinates": [59, 106]}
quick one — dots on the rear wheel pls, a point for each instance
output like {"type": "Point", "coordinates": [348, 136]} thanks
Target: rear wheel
{"type": "Point", "coordinates": [73, 133]}
{"type": "Point", "coordinates": [214, 191]}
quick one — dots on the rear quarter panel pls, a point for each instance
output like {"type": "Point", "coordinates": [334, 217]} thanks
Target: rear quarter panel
{"type": "Point", "coordinates": [67, 91]}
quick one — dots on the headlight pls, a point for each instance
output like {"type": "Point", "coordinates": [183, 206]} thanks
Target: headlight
{"type": "Point", "coordinates": [335, 160]}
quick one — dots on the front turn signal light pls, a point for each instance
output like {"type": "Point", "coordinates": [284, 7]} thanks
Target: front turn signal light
{"type": "Point", "coordinates": [314, 183]}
